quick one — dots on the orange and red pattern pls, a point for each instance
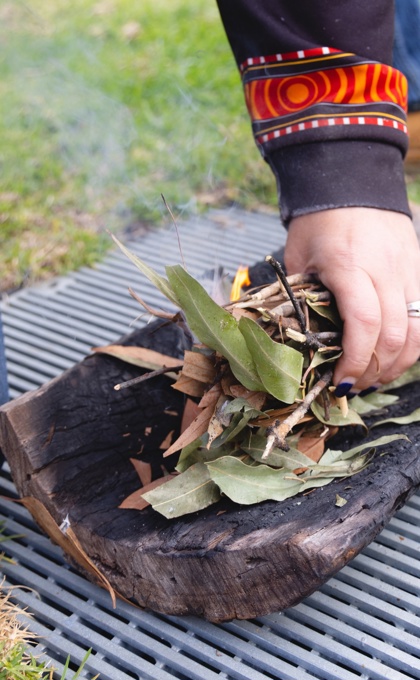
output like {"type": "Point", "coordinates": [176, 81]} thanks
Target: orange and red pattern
{"type": "Point", "coordinates": [318, 87]}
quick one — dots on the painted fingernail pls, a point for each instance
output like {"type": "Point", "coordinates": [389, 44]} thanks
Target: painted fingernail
{"type": "Point", "coordinates": [352, 393]}
{"type": "Point", "coordinates": [344, 388]}
{"type": "Point", "coordinates": [367, 391]}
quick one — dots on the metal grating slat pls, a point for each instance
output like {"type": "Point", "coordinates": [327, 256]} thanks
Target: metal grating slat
{"type": "Point", "coordinates": [362, 625]}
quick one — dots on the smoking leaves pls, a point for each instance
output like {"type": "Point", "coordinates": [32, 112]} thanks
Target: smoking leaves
{"type": "Point", "coordinates": [251, 386]}
{"type": "Point", "coordinates": [259, 363]}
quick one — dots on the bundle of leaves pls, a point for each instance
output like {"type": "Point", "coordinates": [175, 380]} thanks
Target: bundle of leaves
{"type": "Point", "coordinates": [259, 406]}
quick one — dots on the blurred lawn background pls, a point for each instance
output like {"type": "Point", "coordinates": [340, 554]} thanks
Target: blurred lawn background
{"type": "Point", "coordinates": [104, 106]}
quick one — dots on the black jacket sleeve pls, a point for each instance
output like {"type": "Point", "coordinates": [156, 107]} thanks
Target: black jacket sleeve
{"type": "Point", "coordinates": [328, 110]}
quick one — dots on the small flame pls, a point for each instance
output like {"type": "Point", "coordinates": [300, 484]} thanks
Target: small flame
{"type": "Point", "coordinates": [241, 279]}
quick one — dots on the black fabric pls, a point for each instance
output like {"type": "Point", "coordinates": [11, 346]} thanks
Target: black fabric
{"type": "Point", "coordinates": [317, 177]}
{"type": "Point", "coordinates": [337, 166]}
{"type": "Point", "coordinates": [261, 27]}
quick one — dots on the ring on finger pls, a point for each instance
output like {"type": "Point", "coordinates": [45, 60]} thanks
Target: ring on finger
{"type": "Point", "coordinates": [413, 309]}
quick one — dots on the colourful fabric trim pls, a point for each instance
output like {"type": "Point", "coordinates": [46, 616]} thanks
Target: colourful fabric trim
{"type": "Point", "coordinates": [321, 87]}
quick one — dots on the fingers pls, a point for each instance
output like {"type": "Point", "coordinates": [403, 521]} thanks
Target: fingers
{"type": "Point", "coordinates": [409, 354]}
{"type": "Point", "coordinates": [370, 260]}
{"type": "Point", "coordinates": [360, 311]}
{"type": "Point", "coordinates": [380, 341]}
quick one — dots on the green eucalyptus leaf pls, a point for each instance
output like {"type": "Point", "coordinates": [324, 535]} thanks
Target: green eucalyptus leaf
{"type": "Point", "coordinates": [190, 491]}
{"type": "Point", "coordinates": [237, 424]}
{"type": "Point", "coordinates": [201, 454]}
{"type": "Point", "coordinates": [316, 482]}
{"type": "Point", "coordinates": [336, 416]}
{"type": "Point", "coordinates": [329, 312]}
{"type": "Point", "coordinates": [247, 485]}
{"type": "Point", "coordinates": [214, 326]}
{"type": "Point", "coordinates": [241, 404]}
{"type": "Point", "coordinates": [291, 459]}
{"type": "Point", "coordinates": [320, 358]}
{"type": "Point", "coordinates": [411, 375]}
{"type": "Point", "coordinates": [190, 454]}
{"type": "Point", "coordinates": [159, 281]}
{"type": "Point", "coordinates": [279, 366]}
{"type": "Point", "coordinates": [381, 400]}
{"type": "Point", "coordinates": [413, 417]}
{"type": "Point", "coordinates": [331, 456]}
{"type": "Point", "coordinates": [341, 468]}
{"type": "Point", "coordinates": [372, 402]}
{"type": "Point", "coordinates": [294, 459]}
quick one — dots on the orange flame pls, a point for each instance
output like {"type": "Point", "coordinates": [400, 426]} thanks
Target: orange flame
{"type": "Point", "coordinates": [241, 279]}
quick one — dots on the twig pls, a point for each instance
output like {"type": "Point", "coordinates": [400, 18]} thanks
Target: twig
{"type": "Point", "coordinates": [279, 431]}
{"type": "Point", "coordinates": [146, 376]}
{"type": "Point", "coordinates": [283, 278]}
{"type": "Point", "coordinates": [154, 312]}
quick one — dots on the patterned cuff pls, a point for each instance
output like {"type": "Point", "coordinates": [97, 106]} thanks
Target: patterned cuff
{"type": "Point", "coordinates": [323, 94]}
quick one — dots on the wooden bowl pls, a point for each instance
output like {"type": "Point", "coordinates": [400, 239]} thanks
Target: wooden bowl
{"type": "Point", "coordinates": [69, 444]}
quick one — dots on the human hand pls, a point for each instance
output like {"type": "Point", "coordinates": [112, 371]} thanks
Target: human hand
{"type": "Point", "coordinates": [370, 260]}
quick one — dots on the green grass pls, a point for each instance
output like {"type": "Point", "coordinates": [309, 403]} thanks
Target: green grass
{"type": "Point", "coordinates": [104, 106]}
{"type": "Point", "coordinates": [413, 186]}
{"type": "Point", "coordinates": [16, 639]}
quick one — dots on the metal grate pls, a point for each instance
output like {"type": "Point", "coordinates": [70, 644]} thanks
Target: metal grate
{"type": "Point", "coordinates": [363, 624]}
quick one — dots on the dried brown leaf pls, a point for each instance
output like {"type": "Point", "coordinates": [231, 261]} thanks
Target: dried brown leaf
{"type": "Point", "coordinates": [135, 501]}
{"type": "Point", "coordinates": [239, 312]}
{"type": "Point", "coordinates": [272, 415]}
{"type": "Point", "coordinates": [143, 469]}
{"type": "Point", "coordinates": [139, 356]}
{"type": "Point", "coordinates": [311, 446]}
{"type": "Point", "coordinates": [198, 427]}
{"type": "Point", "coordinates": [199, 367]}
{"type": "Point", "coordinates": [211, 396]}
{"type": "Point", "coordinates": [191, 411]}
{"type": "Point", "coordinates": [255, 399]}
{"type": "Point", "coordinates": [216, 424]}
{"type": "Point", "coordinates": [67, 540]}
{"type": "Point", "coordinates": [189, 386]}
{"type": "Point", "coordinates": [167, 441]}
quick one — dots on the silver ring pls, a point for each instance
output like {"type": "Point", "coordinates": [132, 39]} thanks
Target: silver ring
{"type": "Point", "coordinates": [413, 309]}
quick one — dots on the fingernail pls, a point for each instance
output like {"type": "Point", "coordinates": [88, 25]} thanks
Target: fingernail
{"type": "Point", "coordinates": [367, 391]}
{"type": "Point", "coordinates": [344, 388]}
{"type": "Point", "coordinates": [352, 393]}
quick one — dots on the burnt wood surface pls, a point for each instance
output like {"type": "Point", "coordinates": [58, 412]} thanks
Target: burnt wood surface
{"type": "Point", "coordinates": [69, 443]}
